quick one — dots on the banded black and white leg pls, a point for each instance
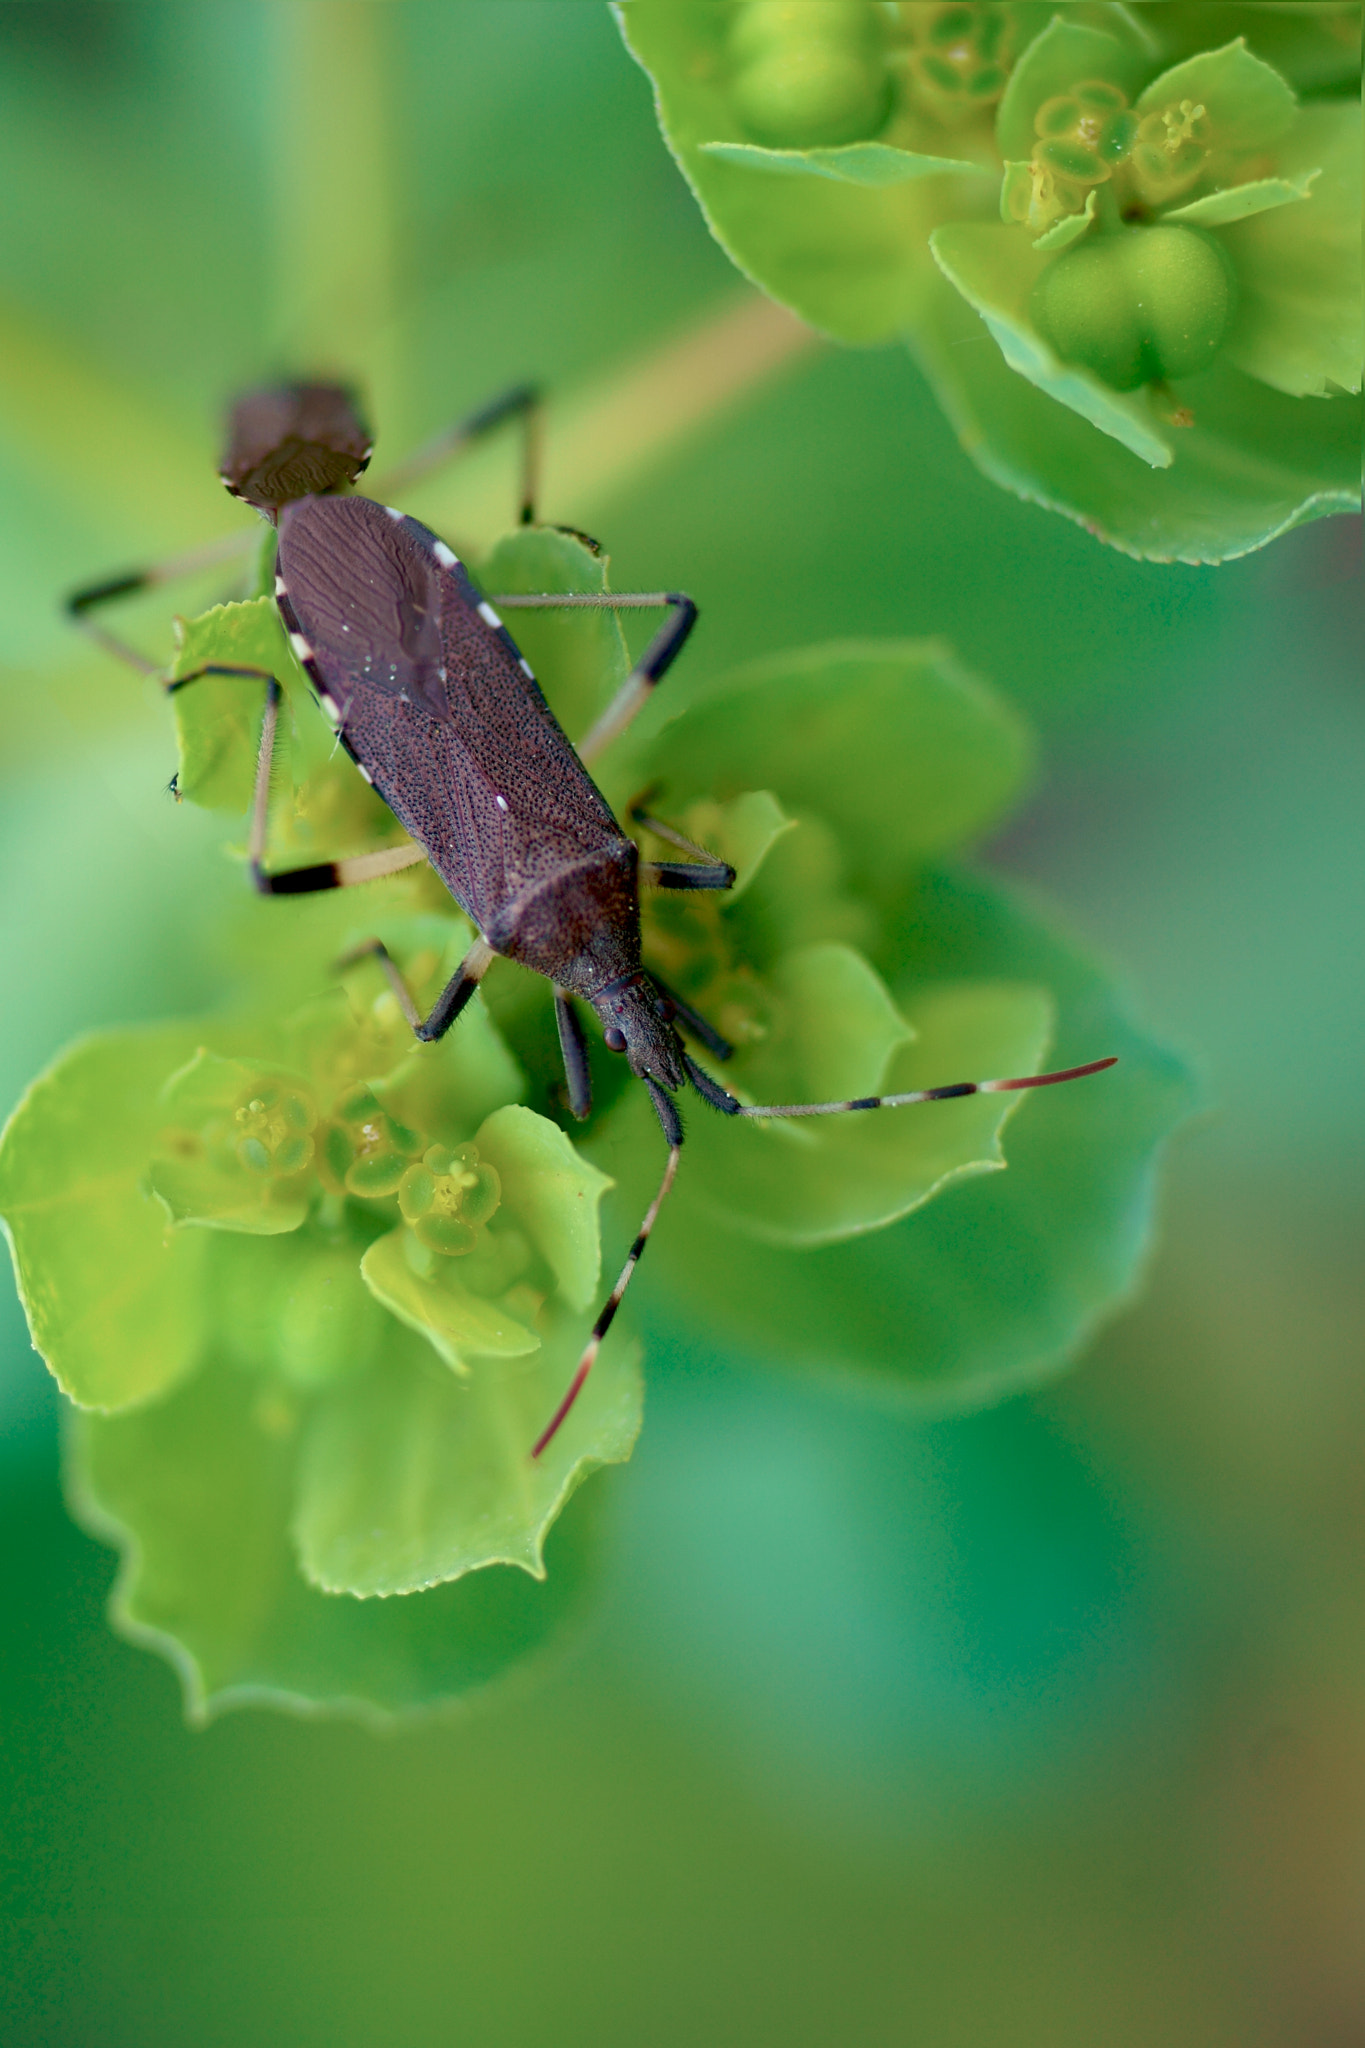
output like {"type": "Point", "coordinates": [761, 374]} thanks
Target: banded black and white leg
{"type": "Point", "coordinates": [613, 1301]}
{"type": "Point", "coordinates": [522, 403]}
{"type": "Point", "coordinates": [340, 874]}
{"type": "Point", "coordinates": [81, 606]}
{"type": "Point", "coordinates": [647, 673]}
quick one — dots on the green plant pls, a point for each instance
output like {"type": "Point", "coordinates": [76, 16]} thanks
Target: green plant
{"type": "Point", "coordinates": [1128, 259]}
{"type": "Point", "coordinates": [313, 1290]}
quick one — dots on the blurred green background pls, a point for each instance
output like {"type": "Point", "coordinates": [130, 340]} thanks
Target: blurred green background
{"type": "Point", "coordinates": [1038, 1726]}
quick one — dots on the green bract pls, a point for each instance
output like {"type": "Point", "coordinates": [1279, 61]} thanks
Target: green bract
{"type": "Point", "coordinates": [1161, 239]}
{"type": "Point", "coordinates": [315, 1289]}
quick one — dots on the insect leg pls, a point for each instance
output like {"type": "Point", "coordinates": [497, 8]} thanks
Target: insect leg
{"type": "Point", "coordinates": [706, 872]}
{"type": "Point", "coordinates": [574, 1048]}
{"type": "Point", "coordinates": [452, 998]}
{"type": "Point", "coordinates": [613, 1301]}
{"type": "Point", "coordinates": [327, 874]}
{"type": "Point", "coordinates": [686, 874]}
{"type": "Point", "coordinates": [81, 604]}
{"type": "Point", "coordinates": [523, 403]}
{"type": "Point", "coordinates": [662, 651]}
{"type": "Point", "coordinates": [721, 1099]}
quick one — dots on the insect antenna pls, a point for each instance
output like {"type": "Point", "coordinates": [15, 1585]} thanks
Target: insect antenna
{"type": "Point", "coordinates": [613, 1301]}
{"type": "Point", "coordinates": [721, 1099]}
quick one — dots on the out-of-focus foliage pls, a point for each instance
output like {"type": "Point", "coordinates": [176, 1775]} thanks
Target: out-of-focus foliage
{"type": "Point", "coordinates": [1162, 240]}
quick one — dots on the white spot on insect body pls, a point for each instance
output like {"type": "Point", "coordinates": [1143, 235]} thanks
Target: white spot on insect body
{"type": "Point", "coordinates": [329, 705]}
{"type": "Point", "coordinates": [396, 516]}
{"type": "Point", "coordinates": [279, 586]}
{"type": "Point", "coordinates": [300, 647]}
{"type": "Point", "coordinates": [527, 669]}
{"type": "Point", "coordinates": [489, 616]}
{"type": "Point", "coordinates": [365, 772]}
{"type": "Point", "coordinates": [501, 802]}
{"type": "Point", "coordinates": [447, 557]}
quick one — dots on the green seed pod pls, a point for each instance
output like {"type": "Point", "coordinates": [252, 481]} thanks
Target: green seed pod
{"type": "Point", "coordinates": [1148, 303]}
{"type": "Point", "coordinates": [809, 75]}
{"type": "Point", "coordinates": [761, 28]}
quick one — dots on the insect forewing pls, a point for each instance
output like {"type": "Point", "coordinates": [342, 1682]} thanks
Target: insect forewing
{"type": "Point", "coordinates": [434, 702]}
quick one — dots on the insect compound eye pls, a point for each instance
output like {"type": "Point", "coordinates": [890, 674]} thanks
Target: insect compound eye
{"type": "Point", "coordinates": [615, 1037]}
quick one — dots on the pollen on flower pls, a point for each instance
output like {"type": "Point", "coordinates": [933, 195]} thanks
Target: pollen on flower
{"type": "Point", "coordinates": [365, 1151]}
{"type": "Point", "coordinates": [1083, 135]}
{"type": "Point", "coordinates": [1171, 151]}
{"type": "Point", "coordinates": [448, 1198]}
{"type": "Point", "coordinates": [273, 1130]}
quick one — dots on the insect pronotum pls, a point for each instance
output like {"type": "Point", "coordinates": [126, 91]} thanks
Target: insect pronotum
{"type": "Point", "coordinates": [429, 695]}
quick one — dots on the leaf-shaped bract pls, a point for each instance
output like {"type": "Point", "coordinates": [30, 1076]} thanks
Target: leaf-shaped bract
{"type": "Point", "coordinates": [1241, 202]}
{"type": "Point", "coordinates": [1253, 464]}
{"type": "Point", "coordinates": [1298, 324]}
{"type": "Point", "coordinates": [196, 1491]}
{"type": "Point", "coordinates": [1315, 46]}
{"type": "Point", "coordinates": [811, 1182]}
{"type": "Point", "coordinates": [410, 1476]}
{"type": "Point", "coordinates": [457, 1324]}
{"type": "Point", "coordinates": [1247, 104]}
{"type": "Point", "coordinates": [551, 1192]}
{"type": "Point", "coordinates": [114, 1296]}
{"type": "Point", "coordinates": [894, 743]}
{"type": "Point", "coordinates": [996, 1283]}
{"type": "Point", "coordinates": [851, 163]}
{"type": "Point", "coordinates": [847, 255]}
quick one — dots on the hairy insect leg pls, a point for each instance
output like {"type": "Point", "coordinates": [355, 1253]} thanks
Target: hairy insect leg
{"type": "Point", "coordinates": [705, 872]}
{"type": "Point", "coordinates": [574, 1048]}
{"type": "Point", "coordinates": [662, 651]}
{"type": "Point", "coordinates": [613, 1301]}
{"type": "Point", "coordinates": [327, 874]}
{"type": "Point", "coordinates": [448, 1004]}
{"type": "Point", "coordinates": [81, 605]}
{"type": "Point", "coordinates": [522, 403]}
{"type": "Point", "coordinates": [721, 1098]}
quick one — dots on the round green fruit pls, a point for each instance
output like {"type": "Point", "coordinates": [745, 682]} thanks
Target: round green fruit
{"type": "Point", "coordinates": [762, 28]}
{"type": "Point", "coordinates": [809, 75]}
{"type": "Point", "coordinates": [1138, 305]}
{"type": "Point", "coordinates": [810, 98]}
